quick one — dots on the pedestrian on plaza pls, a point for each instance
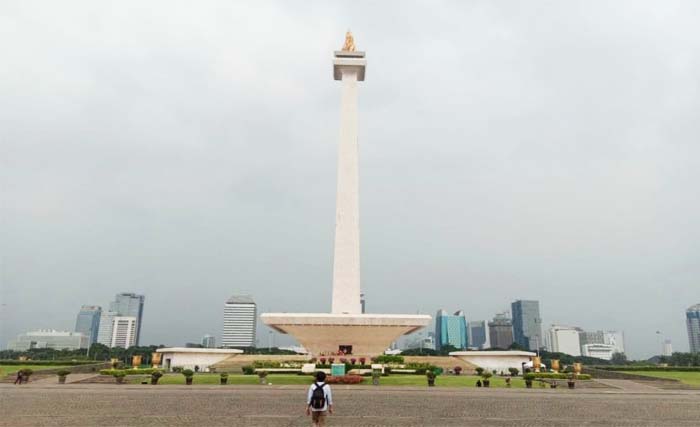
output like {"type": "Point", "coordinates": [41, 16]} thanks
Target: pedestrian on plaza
{"type": "Point", "coordinates": [19, 377]}
{"type": "Point", "coordinates": [319, 400]}
{"type": "Point", "coordinates": [478, 383]}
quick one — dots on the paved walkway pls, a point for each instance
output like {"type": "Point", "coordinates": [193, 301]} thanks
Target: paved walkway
{"type": "Point", "coordinates": [271, 406]}
{"type": "Point", "coordinates": [53, 379]}
{"type": "Point", "coordinates": [631, 386]}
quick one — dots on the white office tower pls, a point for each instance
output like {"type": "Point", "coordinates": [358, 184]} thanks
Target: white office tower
{"type": "Point", "coordinates": [124, 331]}
{"type": "Point", "coordinates": [667, 349]}
{"type": "Point", "coordinates": [240, 314]}
{"type": "Point", "coordinates": [615, 339]}
{"type": "Point", "coordinates": [104, 334]}
{"type": "Point", "coordinates": [564, 339]}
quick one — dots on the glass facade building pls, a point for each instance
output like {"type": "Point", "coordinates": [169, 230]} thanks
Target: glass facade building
{"type": "Point", "coordinates": [88, 322]}
{"type": "Point", "coordinates": [501, 331]}
{"type": "Point", "coordinates": [477, 334]}
{"type": "Point", "coordinates": [451, 330]}
{"type": "Point", "coordinates": [527, 324]}
{"type": "Point", "coordinates": [692, 317]}
{"type": "Point", "coordinates": [129, 305]}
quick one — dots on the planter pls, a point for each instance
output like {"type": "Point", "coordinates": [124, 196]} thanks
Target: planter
{"type": "Point", "coordinates": [120, 380]}
{"type": "Point", "coordinates": [528, 384]}
{"type": "Point", "coordinates": [375, 381]}
{"type": "Point", "coordinates": [188, 380]}
{"type": "Point", "coordinates": [154, 381]}
{"type": "Point", "coordinates": [431, 382]}
{"type": "Point", "coordinates": [553, 384]}
{"type": "Point", "coordinates": [571, 384]}
{"type": "Point", "coordinates": [62, 379]}
{"type": "Point", "coordinates": [224, 381]}
{"type": "Point", "coordinates": [486, 383]}
{"type": "Point", "coordinates": [263, 380]}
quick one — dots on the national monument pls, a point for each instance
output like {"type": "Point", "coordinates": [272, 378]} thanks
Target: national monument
{"type": "Point", "coordinates": [346, 328]}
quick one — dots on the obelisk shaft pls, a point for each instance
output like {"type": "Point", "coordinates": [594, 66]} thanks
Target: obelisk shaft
{"type": "Point", "coordinates": [346, 259]}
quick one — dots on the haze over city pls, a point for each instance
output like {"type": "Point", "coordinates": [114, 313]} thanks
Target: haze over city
{"type": "Point", "coordinates": [508, 151]}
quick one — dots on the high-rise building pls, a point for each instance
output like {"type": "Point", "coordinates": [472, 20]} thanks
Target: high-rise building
{"type": "Point", "coordinates": [692, 318]}
{"type": "Point", "coordinates": [564, 339]}
{"type": "Point", "coordinates": [600, 351]}
{"type": "Point", "coordinates": [451, 330]}
{"type": "Point", "coordinates": [240, 315]}
{"type": "Point", "coordinates": [615, 339]}
{"type": "Point", "coordinates": [129, 305]}
{"type": "Point", "coordinates": [208, 341]}
{"type": "Point", "coordinates": [88, 322]}
{"type": "Point", "coordinates": [124, 331]}
{"type": "Point", "coordinates": [476, 334]}
{"type": "Point", "coordinates": [49, 338]}
{"type": "Point", "coordinates": [527, 324]}
{"type": "Point", "coordinates": [667, 349]}
{"type": "Point", "coordinates": [106, 329]}
{"type": "Point", "coordinates": [501, 331]}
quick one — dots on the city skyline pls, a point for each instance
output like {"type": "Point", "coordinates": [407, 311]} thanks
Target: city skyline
{"type": "Point", "coordinates": [505, 164]}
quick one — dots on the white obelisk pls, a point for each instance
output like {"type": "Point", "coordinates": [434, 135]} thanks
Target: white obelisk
{"type": "Point", "coordinates": [349, 68]}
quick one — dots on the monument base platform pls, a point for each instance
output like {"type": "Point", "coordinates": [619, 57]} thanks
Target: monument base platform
{"type": "Point", "coordinates": [361, 334]}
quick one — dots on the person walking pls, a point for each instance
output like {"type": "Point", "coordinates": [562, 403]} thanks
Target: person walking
{"type": "Point", "coordinates": [19, 377]}
{"type": "Point", "coordinates": [319, 400]}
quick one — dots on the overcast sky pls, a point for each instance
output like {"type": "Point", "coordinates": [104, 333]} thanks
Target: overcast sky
{"type": "Point", "coordinates": [187, 150]}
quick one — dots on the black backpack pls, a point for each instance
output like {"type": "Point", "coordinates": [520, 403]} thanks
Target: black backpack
{"type": "Point", "coordinates": [318, 397]}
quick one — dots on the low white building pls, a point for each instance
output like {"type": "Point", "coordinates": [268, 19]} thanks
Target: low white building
{"type": "Point", "coordinates": [191, 358]}
{"type": "Point", "coordinates": [49, 338]}
{"type": "Point", "coordinates": [564, 339]}
{"type": "Point", "coordinates": [496, 360]}
{"type": "Point", "coordinates": [600, 351]}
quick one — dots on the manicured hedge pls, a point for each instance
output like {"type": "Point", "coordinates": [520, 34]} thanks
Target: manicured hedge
{"type": "Point", "coordinates": [48, 362]}
{"type": "Point", "coordinates": [345, 379]}
{"type": "Point", "coordinates": [147, 371]}
{"type": "Point", "coordinates": [633, 368]}
{"type": "Point", "coordinates": [554, 376]}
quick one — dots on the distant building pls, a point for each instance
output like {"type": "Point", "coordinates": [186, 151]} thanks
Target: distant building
{"type": "Point", "coordinates": [476, 334]}
{"type": "Point", "coordinates": [692, 318]}
{"type": "Point", "coordinates": [240, 316]}
{"type": "Point", "coordinates": [615, 339]}
{"type": "Point", "coordinates": [667, 349]}
{"type": "Point", "coordinates": [600, 351]}
{"type": "Point", "coordinates": [564, 339]}
{"type": "Point", "coordinates": [451, 330]}
{"type": "Point", "coordinates": [88, 322]}
{"type": "Point", "coordinates": [104, 335]}
{"type": "Point", "coordinates": [501, 331]}
{"type": "Point", "coordinates": [49, 338]}
{"type": "Point", "coordinates": [527, 324]}
{"type": "Point", "coordinates": [129, 305]}
{"type": "Point", "coordinates": [124, 331]}
{"type": "Point", "coordinates": [208, 341]}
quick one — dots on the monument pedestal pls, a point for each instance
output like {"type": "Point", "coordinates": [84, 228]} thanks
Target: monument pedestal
{"type": "Point", "coordinates": [363, 334]}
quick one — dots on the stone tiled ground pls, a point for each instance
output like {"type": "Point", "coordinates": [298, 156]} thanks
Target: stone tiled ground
{"type": "Point", "coordinates": [113, 405]}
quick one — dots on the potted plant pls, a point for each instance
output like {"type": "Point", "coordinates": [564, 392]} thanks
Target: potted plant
{"type": "Point", "coordinates": [262, 375]}
{"type": "Point", "coordinates": [513, 371]}
{"type": "Point", "coordinates": [188, 373]}
{"type": "Point", "coordinates": [62, 374]}
{"type": "Point", "coordinates": [457, 370]}
{"type": "Point", "coordinates": [528, 377]}
{"type": "Point", "coordinates": [353, 360]}
{"type": "Point", "coordinates": [571, 382]}
{"type": "Point", "coordinates": [479, 370]}
{"type": "Point", "coordinates": [553, 384]}
{"type": "Point", "coordinates": [430, 375]}
{"type": "Point", "coordinates": [486, 376]}
{"type": "Point", "coordinates": [119, 376]}
{"type": "Point", "coordinates": [362, 360]}
{"type": "Point", "coordinates": [155, 376]}
{"type": "Point", "coordinates": [223, 378]}
{"type": "Point", "coordinates": [331, 360]}
{"type": "Point", "coordinates": [508, 382]}
{"type": "Point", "coordinates": [322, 360]}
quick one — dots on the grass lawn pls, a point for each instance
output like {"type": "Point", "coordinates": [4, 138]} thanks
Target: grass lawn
{"type": "Point", "coordinates": [391, 380]}
{"type": "Point", "coordinates": [9, 369]}
{"type": "Point", "coordinates": [691, 378]}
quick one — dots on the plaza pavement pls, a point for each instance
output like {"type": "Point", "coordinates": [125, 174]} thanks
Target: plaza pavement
{"type": "Point", "coordinates": [145, 405]}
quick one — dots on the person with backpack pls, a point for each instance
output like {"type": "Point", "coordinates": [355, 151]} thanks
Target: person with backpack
{"type": "Point", "coordinates": [319, 400]}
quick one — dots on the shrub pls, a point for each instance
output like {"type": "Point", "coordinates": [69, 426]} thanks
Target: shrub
{"type": "Point", "coordinates": [248, 370]}
{"type": "Point", "coordinates": [529, 376]}
{"type": "Point", "coordinates": [188, 373]}
{"type": "Point", "coordinates": [147, 371]}
{"type": "Point", "coordinates": [559, 376]}
{"type": "Point", "coordinates": [479, 370]}
{"type": "Point", "coordinates": [513, 371]}
{"type": "Point", "coordinates": [63, 372]}
{"type": "Point", "coordinates": [343, 360]}
{"type": "Point", "coordinates": [269, 364]}
{"type": "Point", "coordinates": [118, 373]}
{"type": "Point", "coordinates": [156, 374]}
{"type": "Point", "coordinates": [262, 374]}
{"type": "Point", "coordinates": [388, 358]}
{"type": "Point", "coordinates": [177, 369]}
{"type": "Point", "coordinates": [322, 360]}
{"type": "Point", "coordinates": [458, 370]}
{"type": "Point", "coordinates": [344, 379]}
{"type": "Point", "coordinates": [223, 375]}
{"type": "Point", "coordinates": [486, 375]}
{"type": "Point", "coordinates": [362, 360]}
{"type": "Point", "coordinates": [353, 360]}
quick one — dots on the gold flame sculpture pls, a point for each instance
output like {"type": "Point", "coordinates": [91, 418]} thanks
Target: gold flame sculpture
{"type": "Point", "coordinates": [349, 45]}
